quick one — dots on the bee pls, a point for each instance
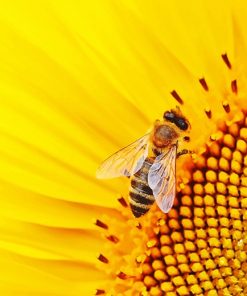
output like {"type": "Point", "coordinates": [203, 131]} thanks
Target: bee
{"type": "Point", "coordinates": [150, 162]}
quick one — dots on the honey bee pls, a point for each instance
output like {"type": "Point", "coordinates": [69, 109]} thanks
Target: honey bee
{"type": "Point", "coordinates": [151, 163]}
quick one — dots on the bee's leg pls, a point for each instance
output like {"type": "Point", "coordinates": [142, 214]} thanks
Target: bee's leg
{"type": "Point", "coordinates": [184, 151]}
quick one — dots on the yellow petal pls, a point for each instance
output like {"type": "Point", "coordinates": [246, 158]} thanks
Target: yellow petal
{"type": "Point", "coordinates": [78, 81]}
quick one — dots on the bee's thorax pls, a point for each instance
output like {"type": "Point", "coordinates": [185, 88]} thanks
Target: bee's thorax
{"type": "Point", "coordinates": [164, 135]}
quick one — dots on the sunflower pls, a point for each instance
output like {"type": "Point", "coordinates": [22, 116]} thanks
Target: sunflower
{"type": "Point", "coordinates": [79, 80]}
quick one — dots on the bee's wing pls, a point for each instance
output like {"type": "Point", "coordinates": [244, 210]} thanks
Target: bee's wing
{"type": "Point", "coordinates": [162, 179]}
{"type": "Point", "coordinates": [126, 161]}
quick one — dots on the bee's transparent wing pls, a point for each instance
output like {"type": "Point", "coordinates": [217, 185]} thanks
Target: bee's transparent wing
{"type": "Point", "coordinates": [126, 161]}
{"type": "Point", "coordinates": [162, 179]}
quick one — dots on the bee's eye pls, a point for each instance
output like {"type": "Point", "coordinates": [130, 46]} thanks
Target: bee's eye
{"type": "Point", "coordinates": [169, 116]}
{"type": "Point", "coordinates": [182, 124]}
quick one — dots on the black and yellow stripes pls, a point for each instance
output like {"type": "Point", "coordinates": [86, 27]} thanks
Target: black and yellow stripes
{"type": "Point", "coordinates": [141, 195]}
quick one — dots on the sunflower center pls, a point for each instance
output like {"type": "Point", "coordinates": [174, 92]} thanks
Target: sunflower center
{"type": "Point", "coordinates": [199, 247]}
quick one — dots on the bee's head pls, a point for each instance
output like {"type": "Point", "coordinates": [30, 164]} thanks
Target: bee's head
{"type": "Point", "coordinates": [176, 117]}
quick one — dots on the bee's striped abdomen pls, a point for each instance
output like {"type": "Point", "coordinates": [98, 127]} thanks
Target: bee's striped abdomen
{"type": "Point", "coordinates": [141, 195]}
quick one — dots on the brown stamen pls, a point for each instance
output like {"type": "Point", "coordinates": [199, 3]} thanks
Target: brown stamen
{"type": "Point", "coordinates": [203, 84]}
{"type": "Point", "coordinates": [226, 106]}
{"type": "Point", "coordinates": [138, 225]}
{"type": "Point", "coordinates": [234, 86]}
{"type": "Point", "coordinates": [177, 97]}
{"type": "Point", "coordinates": [123, 202]}
{"type": "Point", "coordinates": [123, 276]}
{"type": "Point", "coordinates": [141, 258]}
{"type": "Point", "coordinates": [226, 60]}
{"type": "Point", "coordinates": [99, 292]}
{"type": "Point", "coordinates": [113, 239]}
{"type": "Point", "coordinates": [101, 224]}
{"type": "Point", "coordinates": [208, 112]}
{"type": "Point", "coordinates": [216, 136]}
{"type": "Point", "coordinates": [212, 138]}
{"type": "Point", "coordinates": [103, 259]}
